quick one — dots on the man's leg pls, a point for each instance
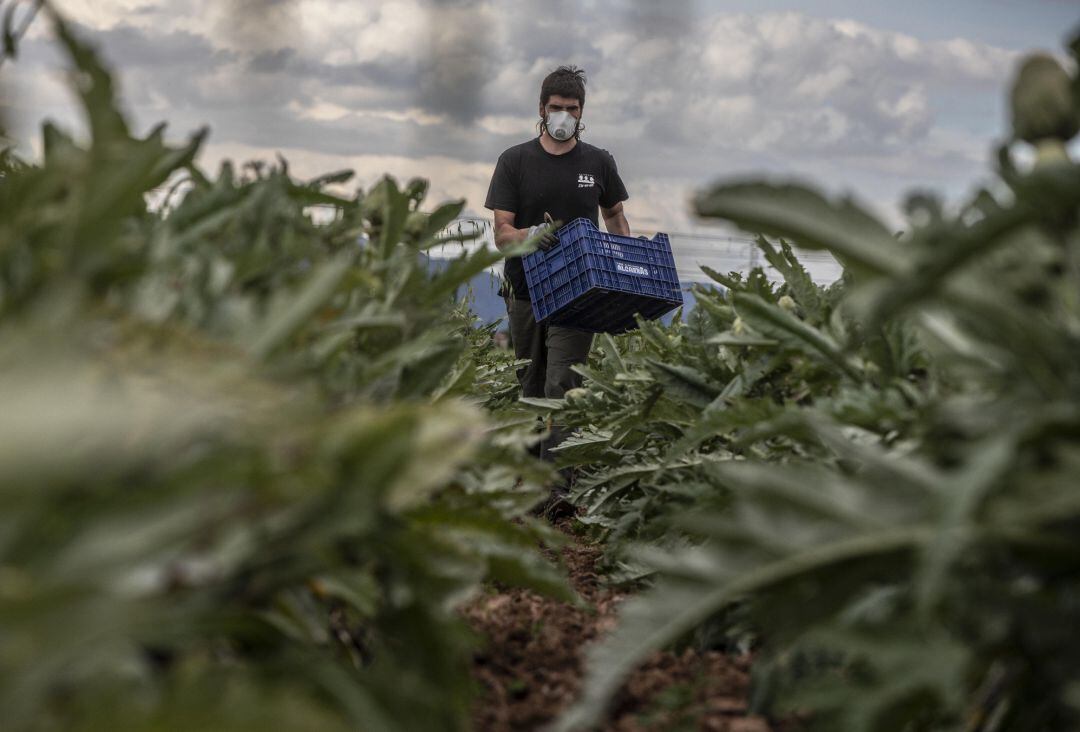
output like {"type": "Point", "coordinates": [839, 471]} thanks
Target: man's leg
{"type": "Point", "coordinates": [527, 340]}
{"type": "Point", "coordinates": [566, 347]}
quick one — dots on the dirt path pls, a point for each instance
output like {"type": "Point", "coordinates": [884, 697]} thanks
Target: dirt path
{"type": "Point", "coordinates": [532, 667]}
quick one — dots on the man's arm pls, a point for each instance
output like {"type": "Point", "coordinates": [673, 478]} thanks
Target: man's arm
{"type": "Point", "coordinates": [505, 231]}
{"type": "Point", "coordinates": [615, 219]}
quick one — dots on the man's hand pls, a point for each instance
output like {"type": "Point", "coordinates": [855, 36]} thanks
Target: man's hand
{"type": "Point", "coordinates": [547, 231]}
{"type": "Point", "coordinates": [547, 236]}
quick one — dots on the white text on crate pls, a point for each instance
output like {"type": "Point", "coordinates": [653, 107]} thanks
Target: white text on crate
{"type": "Point", "coordinates": [632, 269]}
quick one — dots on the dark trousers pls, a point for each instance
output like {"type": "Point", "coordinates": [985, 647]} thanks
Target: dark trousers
{"type": "Point", "coordinates": [553, 350]}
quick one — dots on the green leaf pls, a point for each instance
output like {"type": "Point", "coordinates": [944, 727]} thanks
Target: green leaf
{"type": "Point", "coordinates": [729, 282]}
{"type": "Point", "coordinates": [291, 314]}
{"type": "Point", "coordinates": [583, 440]}
{"type": "Point", "coordinates": [902, 689]}
{"type": "Point", "coordinates": [392, 207]}
{"type": "Point", "coordinates": [599, 379]}
{"type": "Point", "coordinates": [328, 179]}
{"type": "Point", "coordinates": [968, 491]}
{"type": "Point", "coordinates": [803, 215]}
{"type": "Point", "coordinates": [607, 345]}
{"type": "Point", "coordinates": [543, 404]}
{"type": "Point", "coordinates": [798, 280]}
{"type": "Point", "coordinates": [459, 383]}
{"type": "Point", "coordinates": [93, 84]}
{"type": "Point", "coordinates": [11, 49]}
{"type": "Point", "coordinates": [459, 272]}
{"type": "Point", "coordinates": [731, 339]}
{"type": "Point", "coordinates": [773, 321]}
{"type": "Point", "coordinates": [816, 493]}
{"type": "Point", "coordinates": [440, 218]}
{"type": "Point", "coordinates": [422, 374]}
{"type": "Point", "coordinates": [683, 383]}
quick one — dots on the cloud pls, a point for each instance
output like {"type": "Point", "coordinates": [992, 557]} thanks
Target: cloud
{"type": "Point", "coordinates": [457, 61]}
{"type": "Point", "coordinates": [101, 15]}
{"type": "Point", "coordinates": [790, 83]}
{"type": "Point", "coordinates": [677, 91]}
{"type": "Point", "coordinates": [450, 178]}
{"type": "Point", "coordinates": [128, 47]}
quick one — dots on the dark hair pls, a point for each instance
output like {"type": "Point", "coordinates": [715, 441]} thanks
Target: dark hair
{"type": "Point", "coordinates": [565, 81]}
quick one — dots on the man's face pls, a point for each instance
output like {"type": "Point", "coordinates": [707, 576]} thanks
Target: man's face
{"type": "Point", "coordinates": [557, 103]}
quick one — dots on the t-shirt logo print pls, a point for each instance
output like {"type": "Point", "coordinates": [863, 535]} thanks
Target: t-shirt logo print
{"type": "Point", "coordinates": [585, 180]}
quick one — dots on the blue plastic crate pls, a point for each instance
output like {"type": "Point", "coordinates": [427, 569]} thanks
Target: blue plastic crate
{"type": "Point", "coordinates": [595, 281]}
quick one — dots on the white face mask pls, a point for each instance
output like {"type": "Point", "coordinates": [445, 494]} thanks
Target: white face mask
{"type": "Point", "coordinates": [561, 125]}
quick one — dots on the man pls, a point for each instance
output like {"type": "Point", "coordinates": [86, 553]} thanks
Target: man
{"type": "Point", "coordinates": [554, 177]}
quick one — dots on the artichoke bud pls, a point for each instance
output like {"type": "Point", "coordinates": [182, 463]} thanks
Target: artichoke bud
{"type": "Point", "coordinates": [1042, 102]}
{"type": "Point", "coordinates": [375, 201]}
{"type": "Point", "coordinates": [415, 224]}
{"type": "Point", "coordinates": [575, 395]}
{"type": "Point", "coordinates": [416, 189]}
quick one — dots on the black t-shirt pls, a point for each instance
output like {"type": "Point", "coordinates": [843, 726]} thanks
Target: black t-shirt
{"type": "Point", "coordinates": [530, 181]}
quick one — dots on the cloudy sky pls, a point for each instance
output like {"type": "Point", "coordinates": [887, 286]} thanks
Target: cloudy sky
{"type": "Point", "coordinates": [875, 98]}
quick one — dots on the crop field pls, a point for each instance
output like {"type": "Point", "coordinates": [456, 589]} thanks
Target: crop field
{"type": "Point", "coordinates": [262, 471]}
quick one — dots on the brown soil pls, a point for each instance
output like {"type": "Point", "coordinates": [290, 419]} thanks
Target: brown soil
{"type": "Point", "coordinates": [532, 666]}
